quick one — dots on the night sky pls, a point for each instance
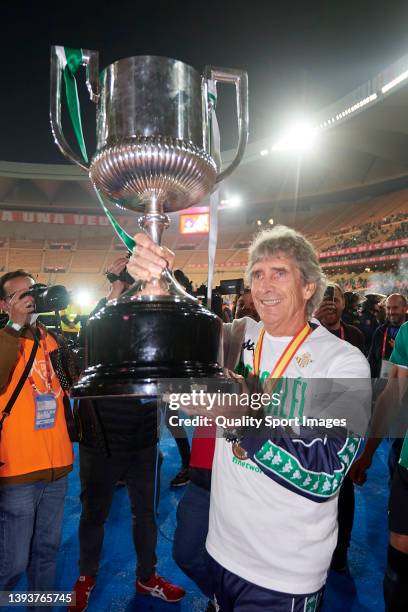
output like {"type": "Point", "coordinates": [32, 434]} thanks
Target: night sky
{"type": "Point", "coordinates": [300, 56]}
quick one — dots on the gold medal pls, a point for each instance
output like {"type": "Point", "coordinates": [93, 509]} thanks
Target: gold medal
{"type": "Point", "coordinates": [239, 452]}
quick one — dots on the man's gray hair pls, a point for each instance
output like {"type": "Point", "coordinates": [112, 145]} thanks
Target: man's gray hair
{"type": "Point", "coordinates": [282, 239]}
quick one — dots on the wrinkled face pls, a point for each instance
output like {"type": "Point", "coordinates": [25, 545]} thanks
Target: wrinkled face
{"type": "Point", "coordinates": [337, 307]}
{"type": "Point", "coordinates": [11, 287]}
{"type": "Point", "coordinates": [279, 294]}
{"type": "Point", "coordinates": [395, 310]}
{"type": "Point", "coordinates": [245, 307]}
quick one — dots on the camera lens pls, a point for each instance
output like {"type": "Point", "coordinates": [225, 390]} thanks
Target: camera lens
{"type": "Point", "coordinates": [48, 299]}
{"type": "Point", "coordinates": [53, 298]}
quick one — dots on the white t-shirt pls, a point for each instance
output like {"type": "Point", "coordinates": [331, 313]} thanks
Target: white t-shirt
{"type": "Point", "coordinates": [261, 529]}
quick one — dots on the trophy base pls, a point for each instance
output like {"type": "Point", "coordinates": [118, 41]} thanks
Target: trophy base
{"type": "Point", "coordinates": [143, 346]}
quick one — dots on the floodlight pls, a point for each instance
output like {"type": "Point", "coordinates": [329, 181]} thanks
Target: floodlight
{"type": "Point", "coordinates": [300, 136]}
{"type": "Point", "coordinates": [232, 202]}
{"type": "Point", "coordinates": [82, 297]}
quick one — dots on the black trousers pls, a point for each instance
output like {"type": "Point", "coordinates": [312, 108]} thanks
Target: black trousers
{"type": "Point", "coordinates": [180, 436]}
{"type": "Point", "coordinates": [99, 475]}
{"type": "Point", "coordinates": [345, 515]}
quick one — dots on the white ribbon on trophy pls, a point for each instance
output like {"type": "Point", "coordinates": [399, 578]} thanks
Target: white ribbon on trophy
{"type": "Point", "coordinates": [215, 196]}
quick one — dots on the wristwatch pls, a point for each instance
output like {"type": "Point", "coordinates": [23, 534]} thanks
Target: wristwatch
{"type": "Point", "coordinates": [16, 326]}
{"type": "Point", "coordinates": [112, 277]}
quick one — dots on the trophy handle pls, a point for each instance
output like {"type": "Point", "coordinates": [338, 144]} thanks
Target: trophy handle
{"type": "Point", "coordinates": [239, 78]}
{"type": "Point", "coordinates": [90, 59]}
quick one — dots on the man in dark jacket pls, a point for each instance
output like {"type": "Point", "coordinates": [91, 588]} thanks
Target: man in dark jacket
{"type": "Point", "coordinates": [384, 336]}
{"type": "Point", "coordinates": [119, 441]}
{"type": "Point", "coordinates": [381, 348]}
{"type": "Point", "coordinates": [370, 311]}
{"type": "Point", "coordinates": [330, 315]}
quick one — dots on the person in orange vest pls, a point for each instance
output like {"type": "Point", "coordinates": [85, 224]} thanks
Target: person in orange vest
{"type": "Point", "coordinates": [35, 448]}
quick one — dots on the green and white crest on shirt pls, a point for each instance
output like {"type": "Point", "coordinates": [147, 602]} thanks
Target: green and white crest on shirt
{"type": "Point", "coordinates": [292, 393]}
{"type": "Point", "coordinates": [287, 466]}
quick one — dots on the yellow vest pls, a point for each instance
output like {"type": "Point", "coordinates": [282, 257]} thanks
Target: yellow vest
{"type": "Point", "coordinates": [71, 312]}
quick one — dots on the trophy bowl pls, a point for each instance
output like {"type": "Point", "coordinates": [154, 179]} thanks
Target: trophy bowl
{"type": "Point", "coordinates": [154, 155]}
{"type": "Point", "coordinates": [174, 172]}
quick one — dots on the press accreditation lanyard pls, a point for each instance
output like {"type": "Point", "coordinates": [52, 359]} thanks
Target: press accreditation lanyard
{"type": "Point", "coordinates": [47, 367]}
{"type": "Point", "coordinates": [286, 357]}
{"type": "Point", "coordinates": [341, 331]}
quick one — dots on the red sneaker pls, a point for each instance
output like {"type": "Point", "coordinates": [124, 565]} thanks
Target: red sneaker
{"type": "Point", "coordinates": [82, 589]}
{"type": "Point", "coordinates": [157, 586]}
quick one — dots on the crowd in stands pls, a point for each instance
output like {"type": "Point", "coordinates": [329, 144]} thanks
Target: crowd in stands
{"type": "Point", "coordinates": [381, 282]}
{"type": "Point", "coordinates": [363, 255]}
{"type": "Point", "coordinates": [400, 232]}
{"type": "Point", "coordinates": [352, 283]}
{"type": "Point", "coordinates": [369, 232]}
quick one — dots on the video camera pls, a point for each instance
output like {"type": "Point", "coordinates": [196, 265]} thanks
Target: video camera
{"type": "Point", "coordinates": [231, 287]}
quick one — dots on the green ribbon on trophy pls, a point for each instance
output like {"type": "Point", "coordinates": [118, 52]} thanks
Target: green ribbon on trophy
{"type": "Point", "coordinates": [71, 60]}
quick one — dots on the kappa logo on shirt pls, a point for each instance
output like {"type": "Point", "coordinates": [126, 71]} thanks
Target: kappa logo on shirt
{"type": "Point", "coordinates": [304, 360]}
{"type": "Point", "coordinates": [249, 345]}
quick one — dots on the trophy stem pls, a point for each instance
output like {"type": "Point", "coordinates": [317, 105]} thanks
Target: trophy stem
{"type": "Point", "coordinates": [154, 220]}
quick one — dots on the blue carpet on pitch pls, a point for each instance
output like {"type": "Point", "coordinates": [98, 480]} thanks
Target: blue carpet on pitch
{"type": "Point", "coordinates": [362, 591]}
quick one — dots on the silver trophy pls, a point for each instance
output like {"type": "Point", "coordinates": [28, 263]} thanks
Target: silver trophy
{"type": "Point", "coordinates": [154, 156]}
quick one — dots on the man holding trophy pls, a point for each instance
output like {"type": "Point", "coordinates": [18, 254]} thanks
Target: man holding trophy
{"type": "Point", "coordinates": [273, 521]}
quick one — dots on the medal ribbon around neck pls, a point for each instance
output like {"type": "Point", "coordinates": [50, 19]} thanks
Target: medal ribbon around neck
{"type": "Point", "coordinates": [287, 355]}
{"type": "Point", "coordinates": [277, 372]}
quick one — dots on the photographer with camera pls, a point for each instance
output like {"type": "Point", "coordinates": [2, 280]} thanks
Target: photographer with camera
{"type": "Point", "coordinates": [35, 448]}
